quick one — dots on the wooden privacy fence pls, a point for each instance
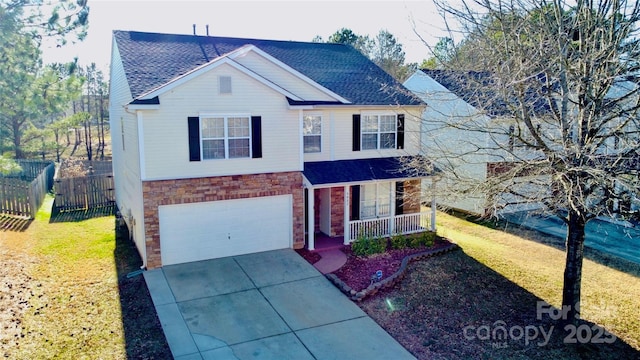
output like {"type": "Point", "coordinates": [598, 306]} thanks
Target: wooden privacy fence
{"type": "Point", "coordinates": [22, 194]}
{"type": "Point", "coordinates": [86, 192]}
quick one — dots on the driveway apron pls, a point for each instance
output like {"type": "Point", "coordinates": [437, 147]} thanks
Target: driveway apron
{"type": "Point", "coordinates": [269, 305]}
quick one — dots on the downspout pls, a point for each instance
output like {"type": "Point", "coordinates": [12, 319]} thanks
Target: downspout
{"type": "Point", "coordinates": [434, 183]}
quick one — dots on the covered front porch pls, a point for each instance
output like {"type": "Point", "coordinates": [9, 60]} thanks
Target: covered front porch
{"type": "Point", "coordinates": [364, 197]}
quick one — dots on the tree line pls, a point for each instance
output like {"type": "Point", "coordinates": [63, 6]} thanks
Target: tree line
{"type": "Point", "coordinates": [46, 108]}
{"type": "Point", "coordinates": [383, 49]}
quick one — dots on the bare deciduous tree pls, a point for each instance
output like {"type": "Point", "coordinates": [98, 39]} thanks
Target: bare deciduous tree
{"type": "Point", "coordinates": [555, 115]}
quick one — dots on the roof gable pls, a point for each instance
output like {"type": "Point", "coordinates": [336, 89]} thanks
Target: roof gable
{"type": "Point", "coordinates": [152, 60]}
{"type": "Point", "coordinates": [153, 93]}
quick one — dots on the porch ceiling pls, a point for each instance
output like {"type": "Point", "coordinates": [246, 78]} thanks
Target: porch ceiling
{"type": "Point", "coordinates": [360, 170]}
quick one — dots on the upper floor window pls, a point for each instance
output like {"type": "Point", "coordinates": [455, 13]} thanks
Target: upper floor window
{"type": "Point", "coordinates": [312, 131]}
{"type": "Point", "coordinates": [379, 132]}
{"type": "Point", "coordinates": [225, 137]}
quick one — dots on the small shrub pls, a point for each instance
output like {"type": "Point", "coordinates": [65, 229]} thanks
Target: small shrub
{"type": "Point", "coordinates": [414, 242]}
{"type": "Point", "coordinates": [360, 245]}
{"type": "Point", "coordinates": [378, 245]}
{"type": "Point", "coordinates": [426, 239]}
{"type": "Point", "coordinates": [366, 245]}
{"type": "Point", "coordinates": [398, 242]}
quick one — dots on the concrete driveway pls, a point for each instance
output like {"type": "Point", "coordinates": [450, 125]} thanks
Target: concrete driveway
{"type": "Point", "coordinates": [270, 305]}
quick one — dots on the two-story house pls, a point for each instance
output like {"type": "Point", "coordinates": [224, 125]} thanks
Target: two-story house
{"type": "Point", "coordinates": [227, 146]}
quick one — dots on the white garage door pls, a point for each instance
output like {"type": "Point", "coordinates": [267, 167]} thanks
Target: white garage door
{"type": "Point", "coordinates": [199, 231]}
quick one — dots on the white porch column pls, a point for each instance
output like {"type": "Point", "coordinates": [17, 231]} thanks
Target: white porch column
{"type": "Point", "coordinates": [347, 228]}
{"type": "Point", "coordinates": [433, 204]}
{"type": "Point", "coordinates": [311, 226]}
{"type": "Point", "coordinates": [392, 208]}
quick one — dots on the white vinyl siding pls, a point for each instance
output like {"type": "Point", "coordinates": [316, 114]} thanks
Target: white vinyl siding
{"type": "Point", "coordinates": [312, 131]}
{"type": "Point", "coordinates": [166, 130]}
{"type": "Point", "coordinates": [337, 127]}
{"type": "Point", "coordinates": [280, 76]}
{"type": "Point", "coordinates": [125, 153]}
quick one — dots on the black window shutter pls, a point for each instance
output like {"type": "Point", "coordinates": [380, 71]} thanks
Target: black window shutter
{"type": "Point", "coordinates": [256, 136]}
{"type": "Point", "coordinates": [194, 138]}
{"type": "Point", "coordinates": [355, 202]}
{"type": "Point", "coordinates": [400, 142]}
{"type": "Point", "coordinates": [399, 197]}
{"type": "Point", "coordinates": [356, 132]}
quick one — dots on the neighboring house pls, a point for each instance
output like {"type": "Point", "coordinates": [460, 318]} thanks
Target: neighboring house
{"type": "Point", "coordinates": [227, 146]}
{"type": "Point", "coordinates": [459, 111]}
{"type": "Point", "coordinates": [453, 148]}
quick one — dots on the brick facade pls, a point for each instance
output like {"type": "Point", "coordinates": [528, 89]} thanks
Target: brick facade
{"type": "Point", "coordinates": [412, 196]}
{"type": "Point", "coordinates": [337, 211]}
{"type": "Point", "coordinates": [182, 191]}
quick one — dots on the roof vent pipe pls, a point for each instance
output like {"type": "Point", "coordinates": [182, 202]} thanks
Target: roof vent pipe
{"type": "Point", "coordinates": [207, 26]}
{"type": "Point", "coordinates": [194, 29]}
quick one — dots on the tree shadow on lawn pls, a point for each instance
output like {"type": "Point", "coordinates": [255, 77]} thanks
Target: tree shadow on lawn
{"type": "Point", "coordinates": [142, 329]}
{"type": "Point", "coordinates": [600, 257]}
{"type": "Point", "coordinates": [454, 307]}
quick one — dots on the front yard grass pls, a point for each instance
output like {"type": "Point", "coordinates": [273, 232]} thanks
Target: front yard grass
{"type": "Point", "coordinates": [497, 280]}
{"type": "Point", "coordinates": [80, 303]}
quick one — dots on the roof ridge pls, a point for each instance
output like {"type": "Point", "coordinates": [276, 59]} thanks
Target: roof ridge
{"type": "Point", "coordinates": [235, 38]}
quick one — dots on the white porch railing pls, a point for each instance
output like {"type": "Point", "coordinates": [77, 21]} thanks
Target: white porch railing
{"type": "Point", "coordinates": [401, 224]}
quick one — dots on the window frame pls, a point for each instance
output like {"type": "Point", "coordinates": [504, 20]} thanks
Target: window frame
{"type": "Point", "coordinates": [378, 132]}
{"type": "Point", "coordinates": [311, 135]}
{"type": "Point", "coordinates": [381, 200]}
{"type": "Point", "coordinates": [226, 138]}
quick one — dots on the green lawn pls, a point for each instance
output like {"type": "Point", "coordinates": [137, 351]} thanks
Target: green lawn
{"type": "Point", "coordinates": [81, 304]}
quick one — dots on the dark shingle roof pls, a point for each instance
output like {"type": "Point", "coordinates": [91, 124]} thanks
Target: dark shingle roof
{"type": "Point", "coordinates": [346, 171]}
{"type": "Point", "coordinates": [152, 59]}
{"type": "Point", "coordinates": [479, 89]}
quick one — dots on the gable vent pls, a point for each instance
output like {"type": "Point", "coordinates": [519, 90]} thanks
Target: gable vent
{"type": "Point", "coordinates": [225, 84]}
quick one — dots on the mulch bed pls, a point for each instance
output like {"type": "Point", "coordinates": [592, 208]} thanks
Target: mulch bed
{"type": "Point", "coordinates": [357, 272]}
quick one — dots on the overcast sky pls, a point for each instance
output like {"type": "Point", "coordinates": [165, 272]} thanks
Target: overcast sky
{"type": "Point", "coordinates": [298, 20]}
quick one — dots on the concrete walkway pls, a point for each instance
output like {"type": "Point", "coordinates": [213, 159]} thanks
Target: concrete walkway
{"type": "Point", "coordinates": [270, 305]}
{"type": "Point", "coordinates": [330, 260]}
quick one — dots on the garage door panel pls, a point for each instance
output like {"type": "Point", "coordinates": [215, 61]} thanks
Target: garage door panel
{"type": "Point", "coordinates": [199, 231]}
